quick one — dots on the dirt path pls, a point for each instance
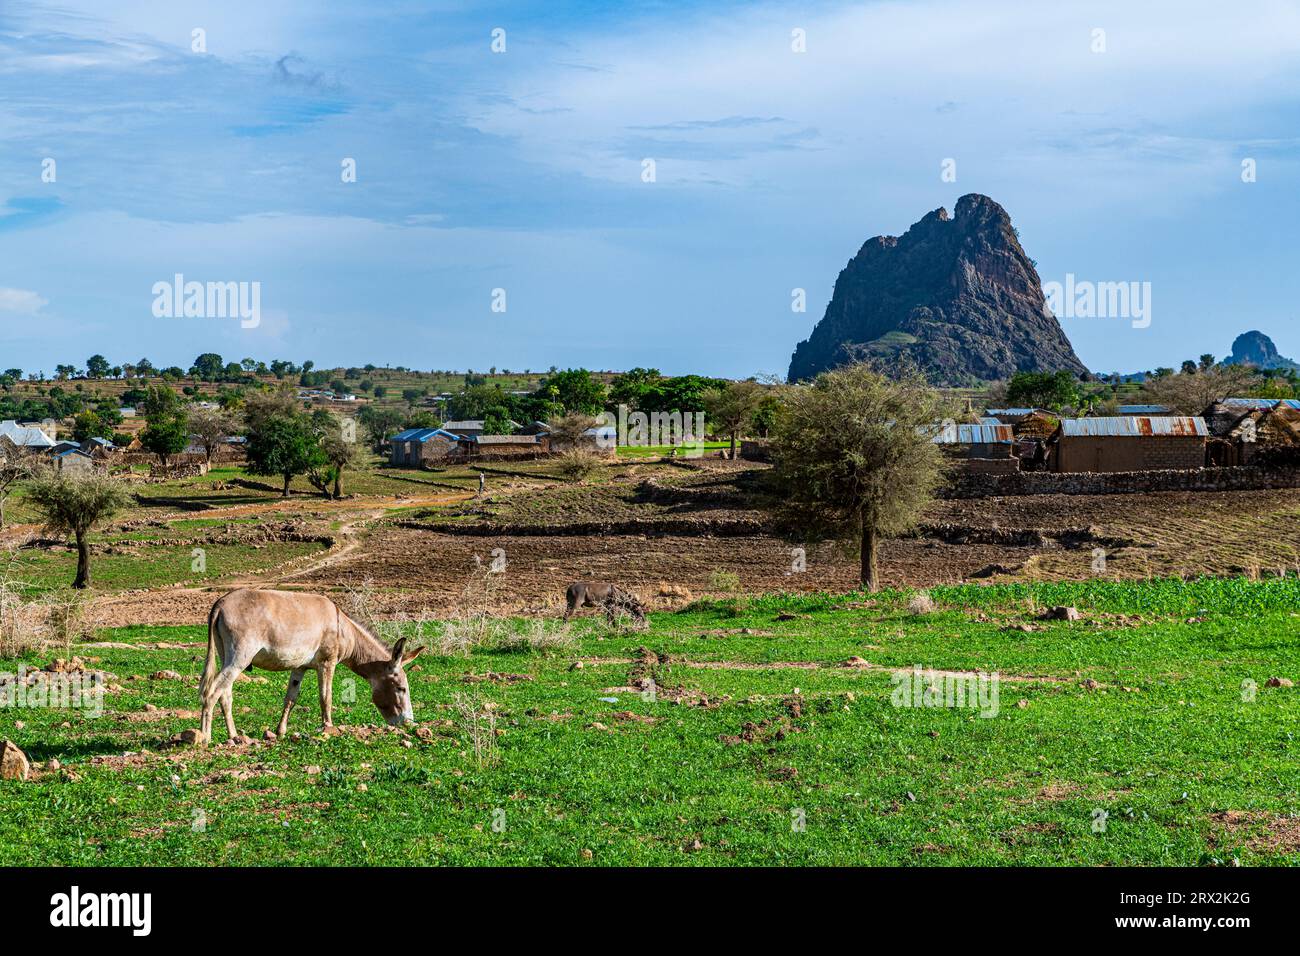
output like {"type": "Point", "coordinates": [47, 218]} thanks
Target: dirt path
{"type": "Point", "coordinates": [189, 604]}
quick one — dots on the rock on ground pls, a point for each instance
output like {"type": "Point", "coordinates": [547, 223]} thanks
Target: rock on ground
{"type": "Point", "coordinates": [13, 762]}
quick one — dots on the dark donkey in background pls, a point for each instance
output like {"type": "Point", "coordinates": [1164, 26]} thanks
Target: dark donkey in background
{"type": "Point", "coordinates": [609, 597]}
{"type": "Point", "coordinates": [287, 631]}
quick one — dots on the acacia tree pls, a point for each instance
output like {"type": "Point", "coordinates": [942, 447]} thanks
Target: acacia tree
{"type": "Point", "coordinates": [855, 458]}
{"type": "Point", "coordinates": [74, 505]}
{"type": "Point", "coordinates": [731, 408]}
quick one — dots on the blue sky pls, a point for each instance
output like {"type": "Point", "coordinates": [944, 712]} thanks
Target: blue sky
{"type": "Point", "coordinates": [522, 170]}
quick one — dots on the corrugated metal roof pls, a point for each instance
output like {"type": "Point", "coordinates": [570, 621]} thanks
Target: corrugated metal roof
{"type": "Point", "coordinates": [467, 425]}
{"type": "Point", "coordinates": [423, 434]}
{"type": "Point", "coordinates": [25, 435]}
{"type": "Point", "coordinates": [1144, 410]}
{"type": "Point", "coordinates": [1009, 411]}
{"type": "Point", "coordinates": [505, 439]}
{"type": "Point", "coordinates": [1136, 426]}
{"type": "Point", "coordinates": [960, 434]}
{"type": "Point", "coordinates": [1261, 402]}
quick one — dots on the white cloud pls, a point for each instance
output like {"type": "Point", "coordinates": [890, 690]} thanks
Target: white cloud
{"type": "Point", "coordinates": [21, 301]}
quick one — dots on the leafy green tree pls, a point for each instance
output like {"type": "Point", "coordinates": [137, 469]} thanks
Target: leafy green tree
{"type": "Point", "coordinates": [576, 391]}
{"type": "Point", "coordinates": [854, 459]}
{"type": "Point", "coordinates": [97, 366]}
{"type": "Point", "coordinates": [1051, 390]}
{"type": "Point", "coordinates": [167, 432]}
{"type": "Point", "coordinates": [87, 424]}
{"type": "Point", "coordinates": [284, 446]}
{"type": "Point", "coordinates": [209, 366]}
{"type": "Point", "coordinates": [75, 505]}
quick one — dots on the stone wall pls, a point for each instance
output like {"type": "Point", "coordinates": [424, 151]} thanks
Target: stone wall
{"type": "Point", "coordinates": [1238, 478]}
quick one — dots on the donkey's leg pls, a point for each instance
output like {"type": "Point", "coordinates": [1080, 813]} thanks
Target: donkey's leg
{"type": "Point", "coordinates": [228, 710]}
{"type": "Point", "coordinates": [325, 677]}
{"type": "Point", "coordinates": [290, 698]}
{"type": "Point", "coordinates": [219, 691]}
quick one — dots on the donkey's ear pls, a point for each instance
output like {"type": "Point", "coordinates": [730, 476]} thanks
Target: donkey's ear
{"type": "Point", "coordinates": [407, 658]}
{"type": "Point", "coordinates": [397, 649]}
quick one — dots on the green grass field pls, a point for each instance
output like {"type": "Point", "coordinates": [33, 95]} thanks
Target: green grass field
{"type": "Point", "coordinates": [759, 746]}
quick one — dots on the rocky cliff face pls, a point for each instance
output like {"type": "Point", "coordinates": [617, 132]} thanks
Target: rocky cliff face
{"type": "Point", "coordinates": [957, 297]}
{"type": "Point", "coordinates": [1257, 349]}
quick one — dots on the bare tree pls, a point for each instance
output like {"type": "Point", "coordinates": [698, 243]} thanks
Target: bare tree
{"type": "Point", "coordinates": [212, 427]}
{"type": "Point", "coordinates": [74, 505]}
{"type": "Point", "coordinates": [567, 431]}
{"type": "Point", "coordinates": [16, 464]}
{"type": "Point", "coordinates": [1193, 392]}
{"type": "Point", "coordinates": [855, 458]}
{"type": "Point", "coordinates": [730, 409]}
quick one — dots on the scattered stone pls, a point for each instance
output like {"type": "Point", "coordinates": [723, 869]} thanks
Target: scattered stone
{"type": "Point", "coordinates": [1090, 684]}
{"type": "Point", "coordinates": [586, 854]}
{"type": "Point", "coordinates": [856, 661]}
{"type": "Point", "coordinates": [1022, 703]}
{"type": "Point", "coordinates": [1279, 682]}
{"type": "Point", "coordinates": [311, 770]}
{"type": "Point", "coordinates": [362, 788]}
{"type": "Point", "coordinates": [186, 738]}
{"type": "Point", "coordinates": [1062, 613]}
{"type": "Point", "coordinates": [13, 762]}
{"type": "Point", "coordinates": [787, 616]}
{"type": "Point", "coordinates": [269, 735]}
{"type": "Point", "coordinates": [165, 675]}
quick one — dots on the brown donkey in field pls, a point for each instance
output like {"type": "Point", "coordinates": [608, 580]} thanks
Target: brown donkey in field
{"type": "Point", "coordinates": [286, 631]}
{"type": "Point", "coordinates": [608, 597]}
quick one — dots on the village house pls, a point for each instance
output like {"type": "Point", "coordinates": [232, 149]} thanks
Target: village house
{"type": "Point", "coordinates": [485, 447]}
{"type": "Point", "coordinates": [27, 436]}
{"type": "Point", "coordinates": [983, 448]}
{"type": "Point", "coordinates": [416, 446]}
{"type": "Point", "coordinates": [1136, 443]}
{"type": "Point", "coordinates": [1008, 416]}
{"type": "Point", "coordinates": [1243, 429]}
{"type": "Point", "coordinates": [465, 429]}
{"type": "Point", "coordinates": [74, 461]}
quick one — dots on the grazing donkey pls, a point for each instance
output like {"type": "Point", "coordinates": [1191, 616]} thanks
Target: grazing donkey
{"type": "Point", "coordinates": [609, 597]}
{"type": "Point", "coordinates": [286, 631]}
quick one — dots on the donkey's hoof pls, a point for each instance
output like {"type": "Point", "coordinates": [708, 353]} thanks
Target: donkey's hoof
{"type": "Point", "coordinates": [329, 730]}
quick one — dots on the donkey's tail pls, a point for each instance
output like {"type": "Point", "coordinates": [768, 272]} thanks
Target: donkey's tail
{"type": "Point", "coordinates": [210, 664]}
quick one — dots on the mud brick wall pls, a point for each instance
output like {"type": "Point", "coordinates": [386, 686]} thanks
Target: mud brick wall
{"type": "Point", "coordinates": [1097, 453]}
{"type": "Point", "coordinates": [1237, 478]}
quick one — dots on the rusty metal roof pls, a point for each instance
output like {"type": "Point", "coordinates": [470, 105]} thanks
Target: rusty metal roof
{"type": "Point", "coordinates": [955, 434]}
{"type": "Point", "coordinates": [1136, 426]}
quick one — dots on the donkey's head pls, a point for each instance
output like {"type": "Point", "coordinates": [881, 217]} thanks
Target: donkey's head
{"type": "Point", "coordinates": [388, 687]}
